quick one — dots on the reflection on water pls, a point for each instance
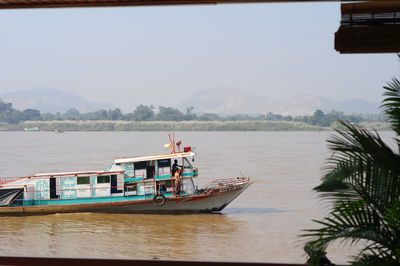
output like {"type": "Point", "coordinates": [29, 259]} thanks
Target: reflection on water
{"type": "Point", "coordinates": [121, 235]}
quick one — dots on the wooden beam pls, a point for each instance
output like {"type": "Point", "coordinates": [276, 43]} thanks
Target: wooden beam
{"type": "Point", "coordinates": [369, 27]}
{"type": "Point", "coordinates": [39, 261]}
{"type": "Point", "coordinates": [370, 7]}
{"type": "Point", "coordinates": [371, 39]}
{"type": "Point", "coordinates": [15, 4]}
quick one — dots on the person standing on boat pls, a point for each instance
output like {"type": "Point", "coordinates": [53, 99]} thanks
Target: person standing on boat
{"type": "Point", "coordinates": [175, 167]}
{"type": "Point", "coordinates": [178, 182]}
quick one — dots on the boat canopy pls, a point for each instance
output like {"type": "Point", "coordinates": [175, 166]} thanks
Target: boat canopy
{"type": "Point", "coordinates": [155, 157]}
{"type": "Point", "coordinates": [101, 172]}
{"type": "Point", "coordinates": [7, 196]}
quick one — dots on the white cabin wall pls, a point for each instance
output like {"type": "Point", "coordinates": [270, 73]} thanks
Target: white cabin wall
{"type": "Point", "coordinates": [102, 189]}
{"type": "Point", "coordinates": [164, 170]}
{"type": "Point", "coordinates": [115, 168]}
{"type": "Point", "coordinates": [129, 169]}
{"type": "Point", "coordinates": [146, 188]}
{"type": "Point", "coordinates": [42, 189]}
{"type": "Point", "coordinates": [141, 173]}
{"type": "Point", "coordinates": [68, 186]}
{"type": "Point", "coordinates": [29, 192]}
{"type": "Point", "coordinates": [83, 191]}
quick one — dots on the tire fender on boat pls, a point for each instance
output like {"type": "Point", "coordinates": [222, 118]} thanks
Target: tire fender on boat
{"type": "Point", "coordinates": [159, 200]}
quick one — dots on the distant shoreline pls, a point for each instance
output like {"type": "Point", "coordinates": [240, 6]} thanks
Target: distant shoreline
{"type": "Point", "coordinates": [176, 126]}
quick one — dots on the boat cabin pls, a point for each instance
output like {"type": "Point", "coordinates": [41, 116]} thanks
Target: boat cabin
{"type": "Point", "coordinates": [133, 178]}
{"type": "Point", "coordinates": [155, 174]}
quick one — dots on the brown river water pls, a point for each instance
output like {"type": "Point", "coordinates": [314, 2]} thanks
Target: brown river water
{"type": "Point", "coordinates": [262, 224]}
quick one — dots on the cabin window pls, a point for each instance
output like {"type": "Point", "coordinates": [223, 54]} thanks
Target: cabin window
{"type": "Point", "coordinates": [140, 165]}
{"type": "Point", "coordinates": [83, 180]}
{"type": "Point", "coordinates": [131, 188]}
{"type": "Point", "coordinates": [164, 167]}
{"type": "Point", "coordinates": [164, 163]}
{"type": "Point", "coordinates": [101, 179]}
{"type": "Point", "coordinates": [188, 164]}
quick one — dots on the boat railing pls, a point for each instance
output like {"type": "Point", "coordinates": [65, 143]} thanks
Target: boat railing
{"type": "Point", "coordinates": [147, 186]}
{"type": "Point", "coordinates": [140, 177]}
{"type": "Point", "coordinates": [5, 180]}
{"type": "Point", "coordinates": [144, 180]}
{"type": "Point", "coordinates": [147, 189]}
{"type": "Point", "coordinates": [227, 183]}
{"type": "Point", "coordinates": [192, 172]}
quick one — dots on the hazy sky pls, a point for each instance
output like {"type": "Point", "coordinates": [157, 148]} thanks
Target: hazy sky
{"type": "Point", "coordinates": [161, 55]}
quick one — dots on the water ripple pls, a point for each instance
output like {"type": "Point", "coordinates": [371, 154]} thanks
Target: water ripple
{"type": "Point", "coordinates": [251, 210]}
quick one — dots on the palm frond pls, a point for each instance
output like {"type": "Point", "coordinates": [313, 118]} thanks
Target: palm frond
{"type": "Point", "coordinates": [362, 167]}
{"type": "Point", "coordinates": [391, 104]}
{"type": "Point", "coordinates": [363, 180]}
{"type": "Point", "coordinates": [353, 220]}
{"type": "Point", "coordinates": [374, 255]}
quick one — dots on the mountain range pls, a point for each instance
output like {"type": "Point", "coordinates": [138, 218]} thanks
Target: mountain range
{"type": "Point", "coordinates": [225, 101]}
{"type": "Point", "coordinates": [51, 100]}
{"type": "Point", "coordinates": [222, 101]}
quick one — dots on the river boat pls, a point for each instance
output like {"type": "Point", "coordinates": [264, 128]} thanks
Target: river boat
{"type": "Point", "coordinates": [32, 129]}
{"type": "Point", "coordinates": [130, 185]}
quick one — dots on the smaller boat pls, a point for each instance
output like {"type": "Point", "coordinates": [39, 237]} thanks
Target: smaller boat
{"type": "Point", "coordinates": [32, 129]}
{"type": "Point", "coordinates": [58, 131]}
{"type": "Point", "coordinates": [147, 184]}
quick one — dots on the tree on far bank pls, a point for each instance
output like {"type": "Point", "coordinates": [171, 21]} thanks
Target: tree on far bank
{"type": "Point", "coordinates": [31, 114]}
{"type": "Point", "coordinates": [169, 114]}
{"type": "Point", "coordinates": [143, 113]}
{"type": "Point", "coordinates": [9, 114]}
{"type": "Point", "coordinates": [115, 114]}
{"type": "Point", "coordinates": [316, 117]}
{"type": "Point", "coordinates": [189, 114]}
{"type": "Point", "coordinates": [71, 114]}
{"type": "Point", "coordinates": [208, 117]}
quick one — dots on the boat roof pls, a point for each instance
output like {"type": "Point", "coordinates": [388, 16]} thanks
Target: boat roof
{"type": "Point", "coordinates": [155, 157]}
{"type": "Point", "coordinates": [101, 172]}
{"type": "Point", "coordinates": [26, 180]}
